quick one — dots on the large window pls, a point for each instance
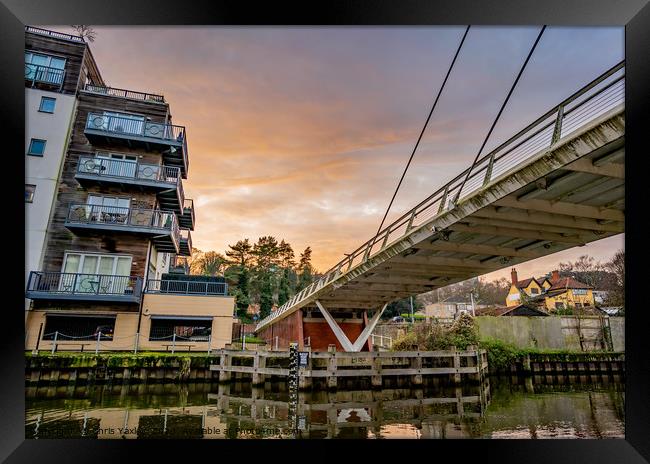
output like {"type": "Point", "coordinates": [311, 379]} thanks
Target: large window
{"type": "Point", "coordinates": [167, 329]}
{"type": "Point", "coordinates": [95, 273]}
{"type": "Point", "coordinates": [44, 68]}
{"type": "Point", "coordinates": [78, 328]}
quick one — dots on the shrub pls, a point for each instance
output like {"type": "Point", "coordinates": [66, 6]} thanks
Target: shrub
{"type": "Point", "coordinates": [501, 354]}
{"type": "Point", "coordinates": [435, 336]}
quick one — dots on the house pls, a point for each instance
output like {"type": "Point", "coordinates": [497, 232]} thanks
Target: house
{"type": "Point", "coordinates": [567, 292]}
{"type": "Point", "coordinates": [107, 217]}
{"type": "Point", "coordinates": [552, 294]}
{"type": "Point", "coordinates": [449, 308]}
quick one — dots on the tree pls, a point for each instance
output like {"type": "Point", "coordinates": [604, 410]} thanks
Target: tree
{"type": "Point", "coordinates": [87, 32]}
{"type": "Point", "coordinates": [211, 263]}
{"type": "Point", "coordinates": [240, 253]}
{"type": "Point", "coordinates": [306, 272]}
{"type": "Point", "coordinates": [616, 266]}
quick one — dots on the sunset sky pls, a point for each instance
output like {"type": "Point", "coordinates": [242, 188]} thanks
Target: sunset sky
{"type": "Point", "coordinates": [302, 133]}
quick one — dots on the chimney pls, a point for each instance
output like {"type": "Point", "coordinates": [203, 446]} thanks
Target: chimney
{"type": "Point", "coordinates": [513, 275]}
{"type": "Point", "coordinates": [555, 276]}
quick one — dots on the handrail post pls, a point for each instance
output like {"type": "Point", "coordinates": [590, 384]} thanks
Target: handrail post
{"type": "Point", "coordinates": [173, 342]}
{"type": "Point", "coordinates": [488, 170]}
{"type": "Point", "coordinates": [74, 283]}
{"type": "Point", "coordinates": [443, 200]}
{"type": "Point", "coordinates": [99, 335]}
{"type": "Point", "coordinates": [557, 130]}
{"type": "Point", "coordinates": [409, 226]}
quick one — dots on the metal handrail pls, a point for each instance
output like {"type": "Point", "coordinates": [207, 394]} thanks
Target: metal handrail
{"type": "Point", "coordinates": [83, 283]}
{"type": "Point", "coordinates": [186, 235]}
{"type": "Point", "coordinates": [105, 167]}
{"type": "Point", "coordinates": [45, 74]}
{"type": "Point", "coordinates": [139, 127]}
{"type": "Point", "coordinates": [189, 204]}
{"type": "Point", "coordinates": [124, 93]}
{"type": "Point", "coordinates": [129, 217]}
{"type": "Point", "coordinates": [536, 136]}
{"type": "Point", "coordinates": [58, 35]}
{"type": "Point", "coordinates": [186, 287]}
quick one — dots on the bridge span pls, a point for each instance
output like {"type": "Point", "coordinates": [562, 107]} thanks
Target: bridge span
{"type": "Point", "coordinates": [556, 184]}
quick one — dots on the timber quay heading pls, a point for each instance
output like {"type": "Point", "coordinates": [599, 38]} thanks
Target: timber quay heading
{"type": "Point", "coordinates": [410, 367]}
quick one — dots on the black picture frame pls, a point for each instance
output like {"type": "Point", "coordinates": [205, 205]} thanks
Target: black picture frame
{"type": "Point", "coordinates": [633, 14]}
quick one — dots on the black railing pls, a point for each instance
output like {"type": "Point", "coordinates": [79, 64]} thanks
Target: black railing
{"type": "Point", "coordinates": [137, 127]}
{"type": "Point", "coordinates": [105, 167]}
{"type": "Point", "coordinates": [186, 287]}
{"type": "Point", "coordinates": [123, 93]}
{"type": "Point", "coordinates": [62, 283]}
{"type": "Point", "coordinates": [45, 74]}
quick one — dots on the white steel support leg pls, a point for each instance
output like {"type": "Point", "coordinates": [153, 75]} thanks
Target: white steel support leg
{"type": "Point", "coordinates": [340, 335]}
{"type": "Point", "coordinates": [338, 332]}
{"type": "Point", "coordinates": [363, 336]}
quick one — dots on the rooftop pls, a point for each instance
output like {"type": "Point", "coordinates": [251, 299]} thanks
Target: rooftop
{"type": "Point", "coordinates": [55, 35]}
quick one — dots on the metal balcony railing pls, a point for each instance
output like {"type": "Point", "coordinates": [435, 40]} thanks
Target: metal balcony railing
{"type": "Point", "coordinates": [44, 284]}
{"type": "Point", "coordinates": [136, 127]}
{"type": "Point", "coordinates": [121, 169]}
{"type": "Point", "coordinates": [44, 74]}
{"type": "Point", "coordinates": [187, 237]}
{"type": "Point", "coordinates": [123, 93]}
{"type": "Point", "coordinates": [186, 287]}
{"type": "Point", "coordinates": [127, 217]}
{"type": "Point", "coordinates": [603, 94]}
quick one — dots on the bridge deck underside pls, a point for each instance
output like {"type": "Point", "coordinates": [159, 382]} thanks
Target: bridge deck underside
{"type": "Point", "coordinates": [575, 198]}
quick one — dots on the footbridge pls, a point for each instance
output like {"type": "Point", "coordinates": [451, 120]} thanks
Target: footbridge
{"type": "Point", "coordinates": [556, 184]}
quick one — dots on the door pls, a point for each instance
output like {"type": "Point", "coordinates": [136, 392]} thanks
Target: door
{"type": "Point", "coordinates": [117, 165]}
{"type": "Point", "coordinates": [124, 123]}
{"type": "Point", "coordinates": [95, 273]}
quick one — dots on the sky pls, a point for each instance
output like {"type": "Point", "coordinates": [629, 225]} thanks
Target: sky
{"type": "Point", "coordinates": [303, 132]}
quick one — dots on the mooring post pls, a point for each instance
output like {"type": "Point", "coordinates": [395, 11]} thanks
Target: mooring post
{"type": "Point", "coordinates": [224, 363]}
{"type": "Point", "coordinates": [258, 362]}
{"type": "Point", "coordinates": [456, 364]}
{"type": "Point", "coordinates": [137, 340]}
{"type": "Point", "coordinates": [173, 342]}
{"type": "Point", "coordinates": [416, 364]}
{"type": "Point", "coordinates": [376, 367]}
{"type": "Point", "coordinates": [99, 335]}
{"type": "Point", "coordinates": [332, 379]}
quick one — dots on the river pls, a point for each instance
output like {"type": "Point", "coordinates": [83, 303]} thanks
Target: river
{"type": "Point", "coordinates": [537, 407]}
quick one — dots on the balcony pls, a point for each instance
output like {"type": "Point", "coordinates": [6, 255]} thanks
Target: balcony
{"type": "Point", "coordinates": [164, 180]}
{"type": "Point", "coordinates": [187, 287]}
{"type": "Point", "coordinates": [37, 74]}
{"type": "Point", "coordinates": [170, 140]}
{"type": "Point", "coordinates": [160, 226]}
{"type": "Point", "coordinates": [123, 93]}
{"type": "Point", "coordinates": [83, 287]}
{"type": "Point", "coordinates": [185, 244]}
{"type": "Point", "coordinates": [186, 219]}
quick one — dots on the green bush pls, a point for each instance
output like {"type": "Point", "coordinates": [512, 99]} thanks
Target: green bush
{"type": "Point", "coordinates": [501, 355]}
{"type": "Point", "coordinates": [435, 336]}
{"type": "Point", "coordinates": [417, 317]}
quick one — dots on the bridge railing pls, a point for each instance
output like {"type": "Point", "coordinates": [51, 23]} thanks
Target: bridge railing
{"type": "Point", "coordinates": [596, 98]}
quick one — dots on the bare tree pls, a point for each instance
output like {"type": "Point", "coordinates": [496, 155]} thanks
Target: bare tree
{"type": "Point", "coordinates": [87, 32]}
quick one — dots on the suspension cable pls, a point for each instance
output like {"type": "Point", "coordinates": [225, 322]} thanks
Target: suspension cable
{"type": "Point", "coordinates": [423, 129]}
{"type": "Point", "coordinates": [505, 102]}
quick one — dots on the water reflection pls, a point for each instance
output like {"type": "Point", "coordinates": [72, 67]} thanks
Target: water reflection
{"type": "Point", "coordinates": [498, 408]}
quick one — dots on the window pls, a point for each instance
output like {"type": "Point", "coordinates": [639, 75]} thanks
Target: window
{"type": "Point", "coordinates": [36, 147]}
{"type": "Point", "coordinates": [95, 273]}
{"type": "Point", "coordinates": [44, 68]}
{"type": "Point", "coordinates": [29, 193]}
{"type": "Point", "coordinates": [534, 291]}
{"type": "Point", "coordinates": [559, 305]}
{"type": "Point", "coordinates": [79, 327]}
{"type": "Point", "coordinates": [196, 329]}
{"type": "Point", "coordinates": [108, 209]}
{"type": "Point", "coordinates": [580, 291]}
{"type": "Point", "coordinates": [47, 105]}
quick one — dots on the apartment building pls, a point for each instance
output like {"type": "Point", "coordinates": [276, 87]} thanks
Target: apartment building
{"type": "Point", "coordinates": [117, 215]}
